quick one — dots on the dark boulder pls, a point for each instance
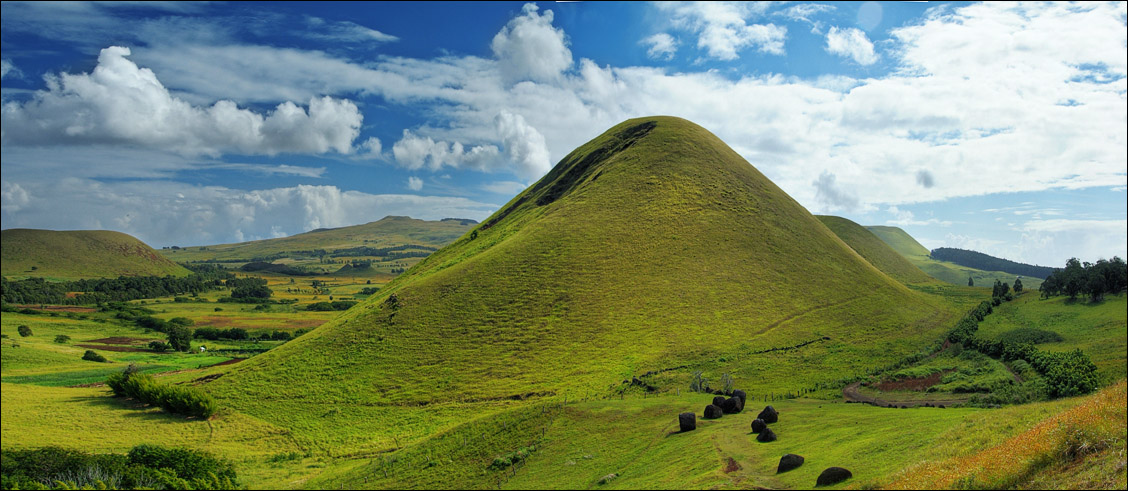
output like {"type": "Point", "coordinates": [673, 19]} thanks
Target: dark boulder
{"type": "Point", "coordinates": [833, 475]}
{"type": "Point", "coordinates": [789, 462]}
{"type": "Point", "coordinates": [769, 415]}
{"type": "Point", "coordinates": [758, 425]}
{"type": "Point", "coordinates": [713, 412]}
{"type": "Point", "coordinates": [687, 421]}
{"type": "Point", "coordinates": [719, 401]}
{"type": "Point", "coordinates": [766, 436]}
{"type": "Point", "coordinates": [732, 405]}
{"type": "Point", "coordinates": [743, 397]}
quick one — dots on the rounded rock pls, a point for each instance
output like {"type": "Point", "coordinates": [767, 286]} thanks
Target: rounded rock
{"type": "Point", "coordinates": [833, 475]}
{"type": "Point", "coordinates": [687, 421]}
{"type": "Point", "coordinates": [789, 462]}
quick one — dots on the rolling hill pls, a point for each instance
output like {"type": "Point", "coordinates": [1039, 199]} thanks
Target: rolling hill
{"type": "Point", "coordinates": [386, 232]}
{"type": "Point", "coordinates": [81, 254]}
{"type": "Point", "coordinates": [874, 250]}
{"type": "Point", "coordinates": [946, 271]}
{"type": "Point", "coordinates": [652, 248]}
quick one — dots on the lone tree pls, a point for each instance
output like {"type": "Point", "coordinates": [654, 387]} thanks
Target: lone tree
{"type": "Point", "coordinates": [1018, 285]}
{"type": "Point", "coordinates": [24, 331]}
{"type": "Point", "coordinates": [180, 338]}
{"type": "Point", "coordinates": [969, 282]}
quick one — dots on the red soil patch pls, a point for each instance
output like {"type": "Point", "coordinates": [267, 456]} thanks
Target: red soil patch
{"type": "Point", "coordinates": [59, 308]}
{"type": "Point", "coordinates": [109, 347]}
{"type": "Point", "coordinates": [731, 466]}
{"type": "Point", "coordinates": [917, 384]}
{"type": "Point", "coordinates": [226, 322]}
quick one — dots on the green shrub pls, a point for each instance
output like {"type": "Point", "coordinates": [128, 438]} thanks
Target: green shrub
{"type": "Point", "coordinates": [1030, 335]}
{"type": "Point", "coordinates": [92, 355]}
{"type": "Point", "coordinates": [159, 346]}
{"type": "Point", "coordinates": [177, 399]}
{"type": "Point", "coordinates": [62, 339]}
{"type": "Point", "coordinates": [24, 331]}
{"type": "Point", "coordinates": [144, 467]}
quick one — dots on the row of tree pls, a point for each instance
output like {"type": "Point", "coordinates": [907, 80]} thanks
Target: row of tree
{"type": "Point", "coordinates": [979, 260]}
{"type": "Point", "coordinates": [125, 288]}
{"type": "Point", "coordinates": [1090, 279]}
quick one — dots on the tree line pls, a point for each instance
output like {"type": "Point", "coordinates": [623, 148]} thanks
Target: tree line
{"type": "Point", "coordinates": [1093, 280]}
{"type": "Point", "coordinates": [203, 278]}
{"type": "Point", "coordinates": [979, 260]}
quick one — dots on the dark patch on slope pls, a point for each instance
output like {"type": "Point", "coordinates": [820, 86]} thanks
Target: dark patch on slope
{"type": "Point", "coordinates": [577, 172]}
{"type": "Point", "coordinates": [568, 172]}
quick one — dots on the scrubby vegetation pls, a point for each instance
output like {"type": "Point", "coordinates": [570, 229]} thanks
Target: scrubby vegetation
{"type": "Point", "coordinates": [142, 387]}
{"type": "Point", "coordinates": [144, 467]}
{"type": "Point", "coordinates": [203, 278]}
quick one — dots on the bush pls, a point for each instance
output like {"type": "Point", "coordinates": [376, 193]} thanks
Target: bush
{"type": "Point", "coordinates": [180, 338]}
{"type": "Point", "coordinates": [91, 355]}
{"type": "Point", "coordinates": [159, 346]}
{"type": "Point", "coordinates": [185, 400]}
{"type": "Point", "coordinates": [1030, 335]}
{"type": "Point", "coordinates": [62, 339]}
{"type": "Point", "coordinates": [144, 467]}
{"type": "Point", "coordinates": [24, 331]}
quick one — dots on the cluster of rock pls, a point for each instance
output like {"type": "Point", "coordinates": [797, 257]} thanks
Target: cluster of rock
{"type": "Point", "coordinates": [735, 404]}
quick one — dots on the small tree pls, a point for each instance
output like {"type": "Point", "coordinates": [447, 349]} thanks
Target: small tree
{"type": "Point", "coordinates": [24, 331]}
{"type": "Point", "coordinates": [92, 355]}
{"type": "Point", "coordinates": [62, 339]}
{"type": "Point", "coordinates": [180, 338]}
{"type": "Point", "coordinates": [159, 346]}
{"type": "Point", "coordinates": [1018, 285]}
{"type": "Point", "coordinates": [970, 282]}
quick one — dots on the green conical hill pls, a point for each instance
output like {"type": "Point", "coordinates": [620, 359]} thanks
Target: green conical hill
{"type": "Point", "coordinates": [652, 246]}
{"type": "Point", "coordinates": [80, 254]}
{"type": "Point", "coordinates": [875, 250]}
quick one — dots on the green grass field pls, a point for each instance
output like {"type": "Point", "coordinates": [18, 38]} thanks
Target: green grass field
{"type": "Point", "coordinates": [73, 255]}
{"type": "Point", "coordinates": [1100, 329]}
{"type": "Point", "coordinates": [944, 270]}
{"type": "Point", "coordinates": [875, 251]}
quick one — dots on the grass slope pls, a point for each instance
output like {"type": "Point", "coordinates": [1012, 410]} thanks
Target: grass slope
{"type": "Point", "coordinates": [874, 250]}
{"type": "Point", "coordinates": [387, 232]}
{"type": "Point", "coordinates": [1099, 329]}
{"type": "Point", "coordinates": [652, 246]}
{"type": "Point", "coordinates": [80, 254]}
{"type": "Point", "coordinates": [950, 272]}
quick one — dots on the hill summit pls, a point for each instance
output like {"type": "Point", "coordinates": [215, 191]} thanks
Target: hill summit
{"type": "Point", "coordinates": [652, 246]}
{"type": "Point", "coordinates": [81, 254]}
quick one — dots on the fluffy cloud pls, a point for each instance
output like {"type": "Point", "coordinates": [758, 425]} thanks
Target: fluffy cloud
{"type": "Point", "coordinates": [414, 183]}
{"type": "Point", "coordinates": [418, 152]}
{"type": "Point", "coordinates": [164, 213]}
{"type": "Point", "coordinates": [851, 43]}
{"type": "Point", "coordinates": [6, 67]}
{"type": "Point", "coordinates": [123, 103]}
{"type": "Point", "coordinates": [722, 30]}
{"type": "Point", "coordinates": [660, 46]}
{"type": "Point", "coordinates": [530, 48]}
{"type": "Point", "coordinates": [524, 145]}
{"type": "Point", "coordinates": [830, 196]}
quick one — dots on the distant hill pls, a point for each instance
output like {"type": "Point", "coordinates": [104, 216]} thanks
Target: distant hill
{"type": "Point", "coordinates": [874, 250]}
{"type": "Point", "coordinates": [80, 254]}
{"type": "Point", "coordinates": [979, 260]}
{"type": "Point", "coordinates": [946, 271]}
{"type": "Point", "coordinates": [652, 246]}
{"type": "Point", "coordinates": [392, 236]}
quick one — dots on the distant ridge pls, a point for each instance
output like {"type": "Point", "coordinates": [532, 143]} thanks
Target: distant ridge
{"type": "Point", "coordinates": [979, 260]}
{"type": "Point", "coordinates": [947, 271]}
{"type": "Point", "coordinates": [81, 254]}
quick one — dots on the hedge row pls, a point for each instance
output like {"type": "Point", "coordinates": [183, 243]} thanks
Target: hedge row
{"type": "Point", "coordinates": [189, 401]}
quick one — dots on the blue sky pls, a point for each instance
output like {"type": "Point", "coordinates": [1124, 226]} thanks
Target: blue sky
{"type": "Point", "coordinates": [996, 127]}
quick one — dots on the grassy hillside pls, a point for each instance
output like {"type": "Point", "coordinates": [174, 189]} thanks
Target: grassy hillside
{"type": "Point", "coordinates": [1099, 329]}
{"type": "Point", "coordinates": [389, 231]}
{"type": "Point", "coordinates": [944, 270]}
{"type": "Point", "coordinates": [80, 254]}
{"type": "Point", "coordinates": [653, 246]}
{"type": "Point", "coordinates": [874, 250]}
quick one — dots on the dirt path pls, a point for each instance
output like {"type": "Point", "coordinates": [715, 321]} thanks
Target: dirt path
{"type": "Point", "coordinates": [1017, 377]}
{"type": "Point", "coordinates": [852, 394]}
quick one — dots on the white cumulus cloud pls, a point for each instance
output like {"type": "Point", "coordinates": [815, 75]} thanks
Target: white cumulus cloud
{"type": "Point", "coordinates": [722, 29]}
{"type": "Point", "coordinates": [414, 183]}
{"type": "Point", "coordinates": [851, 43]}
{"type": "Point", "coordinates": [418, 152]}
{"type": "Point", "coordinates": [660, 46]}
{"type": "Point", "coordinates": [530, 48]}
{"type": "Point", "coordinates": [119, 102]}
{"type": "Point", "coordinates": [524, 145]}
